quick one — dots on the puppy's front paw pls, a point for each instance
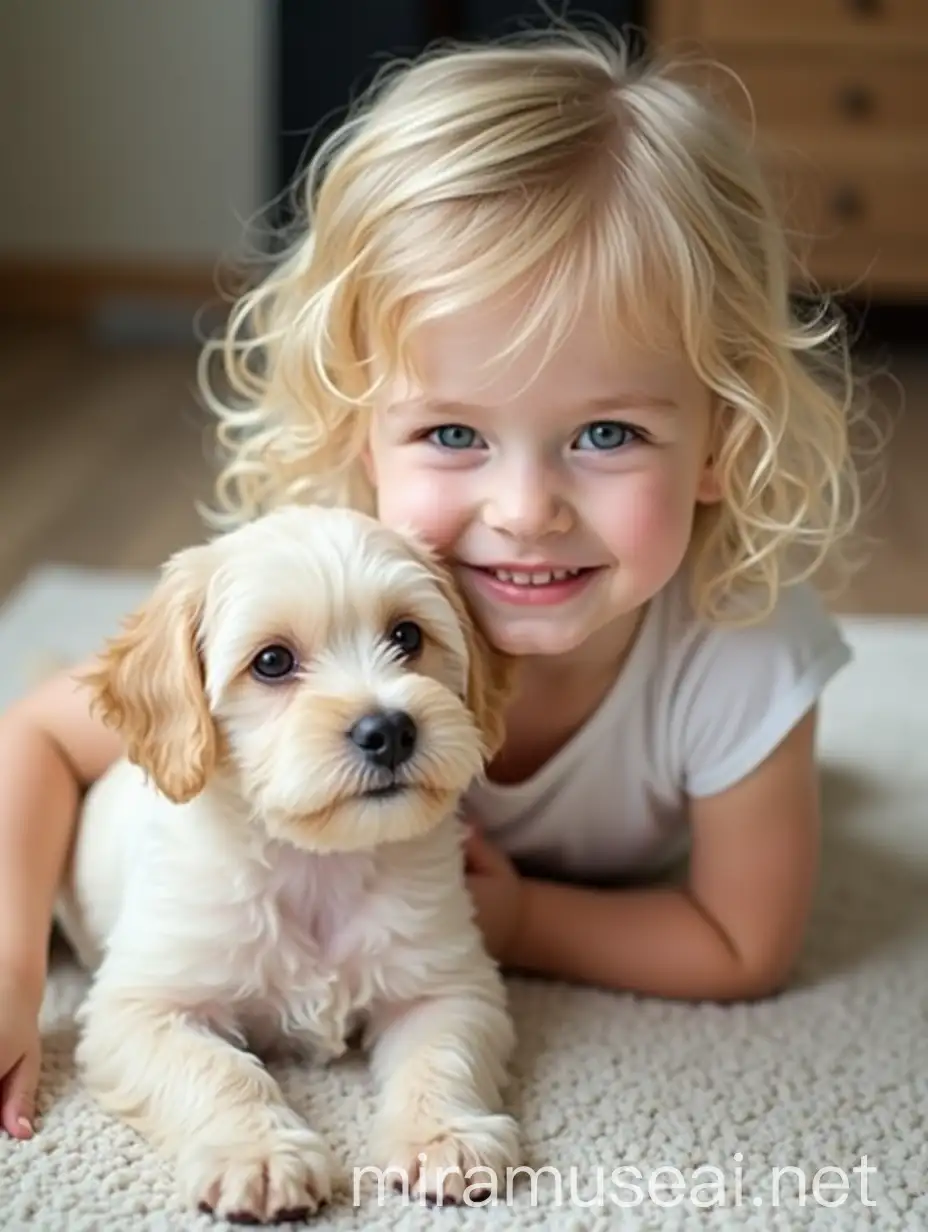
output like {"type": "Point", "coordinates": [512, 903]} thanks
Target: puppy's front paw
{"type": "Point", "coordinates": [463, 1161]}
{"type": "Point", "coordinates": [285, 1177]}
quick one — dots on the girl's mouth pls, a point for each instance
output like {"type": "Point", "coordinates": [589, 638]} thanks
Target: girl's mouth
{"type": "Point", "coordinates": [530, 587]}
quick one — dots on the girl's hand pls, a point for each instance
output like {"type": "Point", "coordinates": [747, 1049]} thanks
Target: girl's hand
{"type": "Point", "coordinates": [497, 889]}
{"type": "Point", "coordinates": [20, 1056]}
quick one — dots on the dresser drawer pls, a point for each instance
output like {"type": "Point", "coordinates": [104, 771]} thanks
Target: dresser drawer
{"type": "Point", "coordinates": [843, 94]}
{"type": "Point", "coordinates": [829, 23]}
{"type": "Point", "coordinates": [837, 91]}
{"type": "Point", "coordinates": [830, 191]}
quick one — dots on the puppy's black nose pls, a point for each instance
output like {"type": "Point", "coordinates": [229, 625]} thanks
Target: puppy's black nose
{"type": "Point", "coordinates": [387, 738]}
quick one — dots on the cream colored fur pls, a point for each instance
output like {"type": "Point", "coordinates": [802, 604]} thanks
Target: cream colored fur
{"type": "Point", "coordinates": [235, 894]}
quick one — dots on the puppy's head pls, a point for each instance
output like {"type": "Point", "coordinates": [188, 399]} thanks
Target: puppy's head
{"type": "Point", "coordinates": [323, 665]}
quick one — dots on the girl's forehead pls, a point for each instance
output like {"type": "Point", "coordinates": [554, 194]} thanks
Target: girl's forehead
{"type": "Point", "coordinates": [479, 356]}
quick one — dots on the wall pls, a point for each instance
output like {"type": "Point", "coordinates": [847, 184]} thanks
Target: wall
{"type": "Point", "coordinates": [132, 130]}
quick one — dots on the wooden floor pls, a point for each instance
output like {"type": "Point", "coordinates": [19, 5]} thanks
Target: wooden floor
{"type": "Point", "coordinates": [105, 450]}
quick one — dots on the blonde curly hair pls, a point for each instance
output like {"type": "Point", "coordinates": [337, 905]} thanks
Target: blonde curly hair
{"type": "Point", "coordinates": [548, 157]}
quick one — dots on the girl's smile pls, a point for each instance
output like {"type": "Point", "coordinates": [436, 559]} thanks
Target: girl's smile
{"type": "Point", "coordinates": [531, 586]}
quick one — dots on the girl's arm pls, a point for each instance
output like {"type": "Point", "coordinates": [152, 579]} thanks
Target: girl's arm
{"type": "Point", "coordinates": [51, 749]}
{"type": "Point", "coordinates": [732, 932]}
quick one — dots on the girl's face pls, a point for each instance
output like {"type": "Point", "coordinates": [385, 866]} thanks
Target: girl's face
{"type": "Point", "coordinates": [561, 489]}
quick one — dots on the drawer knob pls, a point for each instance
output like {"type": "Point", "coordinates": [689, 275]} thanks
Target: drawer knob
{"type": "Point", "coordinates": [865, 8]}
{"type": "Point", "coordinates": [856, 102]}
{"type": "Point", "coordinates": [847, 204]}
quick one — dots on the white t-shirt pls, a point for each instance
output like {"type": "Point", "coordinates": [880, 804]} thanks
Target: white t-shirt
{"type": "Point", "coordinates": [695, 709]}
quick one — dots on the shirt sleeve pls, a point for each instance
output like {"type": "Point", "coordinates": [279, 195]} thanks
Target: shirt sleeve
{"type": "Point", "coordinates": [740, 691]}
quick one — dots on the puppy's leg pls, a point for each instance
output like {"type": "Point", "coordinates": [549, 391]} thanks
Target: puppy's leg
{"type": "Point", "coordinates": [239, 1149]}
{"type": "Point", "coordinates": [442, 1065]}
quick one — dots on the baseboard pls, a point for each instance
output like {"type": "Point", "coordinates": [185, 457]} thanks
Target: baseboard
{"type": "Point", "coordinates": [77, 291]}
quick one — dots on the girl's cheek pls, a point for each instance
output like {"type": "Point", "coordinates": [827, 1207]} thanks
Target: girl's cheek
{"type": "Point", "coordinates": [650, 511]}
{"type": "Point", "coordinates": [425, 504]}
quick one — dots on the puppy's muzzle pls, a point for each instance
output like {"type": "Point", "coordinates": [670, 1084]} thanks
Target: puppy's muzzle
{"type": "Point", "coordinates": [386, 738]}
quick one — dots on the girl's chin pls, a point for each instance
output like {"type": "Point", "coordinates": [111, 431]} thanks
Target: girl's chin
{"type": "Point", "coordinates": [588, 637]}
{"type": "Point", "coordinates": [524, 638]}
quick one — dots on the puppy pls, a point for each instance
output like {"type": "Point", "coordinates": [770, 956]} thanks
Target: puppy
{"type": "Point", "coordinates": [277, 861]}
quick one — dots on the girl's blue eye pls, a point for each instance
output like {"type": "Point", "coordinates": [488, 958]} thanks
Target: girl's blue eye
{"type": "Point", "coordinates": [605, 435]}
{"type": "Point", "coordinates": [454, 436]}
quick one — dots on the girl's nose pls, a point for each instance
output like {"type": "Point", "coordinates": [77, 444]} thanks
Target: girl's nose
{"type": "Point", "coordinates": [525, 504]}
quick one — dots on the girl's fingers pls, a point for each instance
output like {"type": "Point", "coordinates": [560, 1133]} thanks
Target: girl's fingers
{"type": "Point", "coordinates": [17, 1096]}
{"type": "Point", "coordinates": [481, 855]}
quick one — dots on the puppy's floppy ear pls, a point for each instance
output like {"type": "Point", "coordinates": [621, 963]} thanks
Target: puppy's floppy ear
{"type": "Point", "coordinates": [148, 682]}
{"type": "Point", "coordinates": [490, 679]}
{"type": "Point", "coordinates": [490, 673]}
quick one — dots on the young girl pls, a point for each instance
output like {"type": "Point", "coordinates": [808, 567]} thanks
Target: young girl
{"type": "Point", "coordinates": [539, 313]}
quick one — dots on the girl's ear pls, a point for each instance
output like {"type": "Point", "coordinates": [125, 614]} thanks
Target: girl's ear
{"type": "Point", "coordinates": [709, 489]}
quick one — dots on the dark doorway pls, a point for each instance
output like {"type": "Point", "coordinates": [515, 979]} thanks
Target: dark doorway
{"type": "Point", "coordinates": [328, 52]}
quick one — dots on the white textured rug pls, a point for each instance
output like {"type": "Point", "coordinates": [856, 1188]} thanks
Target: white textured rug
{"type": "Point", "coordinates": [806, 1111]}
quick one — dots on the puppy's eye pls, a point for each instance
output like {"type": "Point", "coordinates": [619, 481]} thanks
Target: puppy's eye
{"type": "Point", "coordinates": [273, 663]}
{"type": "Point", "coordinates": [406, 636]}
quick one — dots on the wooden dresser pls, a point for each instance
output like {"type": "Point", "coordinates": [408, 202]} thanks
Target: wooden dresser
{"type": "Point", "coordinates": [839, 90]}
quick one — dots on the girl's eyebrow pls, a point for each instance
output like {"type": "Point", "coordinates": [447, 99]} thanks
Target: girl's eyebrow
{"type": "Point", "coordinates": [443, 409]}
{"type": "Point", "coordinates": [630, 401]}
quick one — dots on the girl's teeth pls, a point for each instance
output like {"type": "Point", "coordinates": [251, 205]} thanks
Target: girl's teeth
{"type": "Point", "coordinates": [543, 578]}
